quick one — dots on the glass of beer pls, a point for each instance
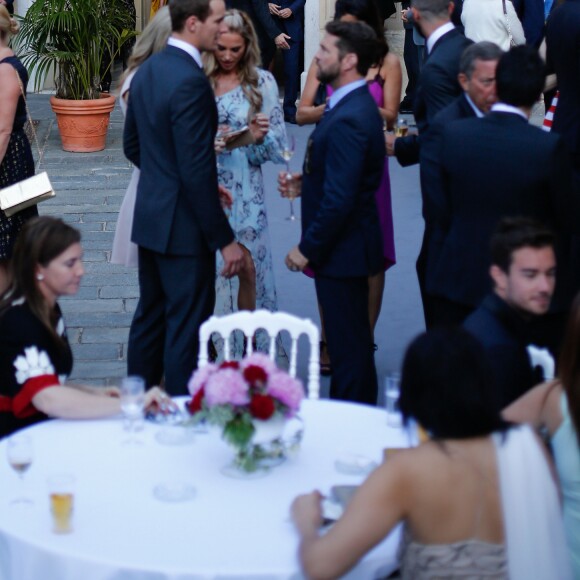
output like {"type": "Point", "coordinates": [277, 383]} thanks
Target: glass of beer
{"type": "Point", "coordinates": [401, 127]}
{"type": "Point", "coordinates": [61, 491]}
{"type": "Point", "coordinates": [19, 455]}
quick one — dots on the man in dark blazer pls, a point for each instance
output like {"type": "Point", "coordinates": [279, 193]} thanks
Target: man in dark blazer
{"type": "Point", "coordinates": [477, 79]}
{"type": "Point", "coordinates": [438, 84]}
{"type": "Point", "coordinates": [531, 15]}
{"type": "Point", "coordinates": [563, 54]}
{"type": "Point", "coordinates": [512, 316]}
{"type": "Point", "coordinates": [289, 15]}
{"type": "Point", "coordinates": [341, 236]}
{"type": "Point", "coordinates": [179, 223]}
{"type": "Point", "coordinates": [269, 34]}
{"type": "Point", "coordinates": [494, 167]}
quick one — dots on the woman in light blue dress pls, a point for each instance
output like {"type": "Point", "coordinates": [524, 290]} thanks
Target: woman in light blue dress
{"type": "Point", "coordinates": [555, 406]}
{"type": "Point", "coordinates": [246, 96]}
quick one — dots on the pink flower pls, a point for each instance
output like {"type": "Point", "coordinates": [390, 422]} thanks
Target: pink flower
{"type": "Point", "coordinates": [287, 390]}
{"type": "Point", "coordinates": [226, 386]}
{"type": "Point", "coordinates": [199, 378]}
{"type": "Point", "coordinates": [261, 360]}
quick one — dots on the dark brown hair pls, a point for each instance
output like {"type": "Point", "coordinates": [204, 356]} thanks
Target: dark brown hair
{"type": "Point", "coordinates": [39, 242]}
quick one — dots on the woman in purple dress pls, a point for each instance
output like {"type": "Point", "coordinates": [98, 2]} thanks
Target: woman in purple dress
{"type": "Point", "coordinates": [384, 82]}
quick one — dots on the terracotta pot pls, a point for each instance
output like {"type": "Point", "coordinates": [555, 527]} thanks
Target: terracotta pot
{"type": "Point", "coordinates": [83, 124]}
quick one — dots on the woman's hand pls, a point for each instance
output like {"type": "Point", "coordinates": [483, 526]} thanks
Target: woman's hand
{"type": "Point", "coordinates": [259, 126]}
{"type": "Point", "coordinates": [290, 187]}
{"type": "Point", "coordinates": [306, 512]}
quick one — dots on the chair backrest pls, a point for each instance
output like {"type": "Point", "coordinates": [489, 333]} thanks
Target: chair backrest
{"type": "Point", "coordinates": [272, 322]}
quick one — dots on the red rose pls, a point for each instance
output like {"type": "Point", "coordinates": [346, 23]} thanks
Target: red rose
{"type": "Point", "coordinates": [194, 406]}
{"type": "Point", "coordinates": [230, 364]}
{"type": "Point", "coordinates": [262, 406]}
{"type": "Point", "coordinates": [254, 375]}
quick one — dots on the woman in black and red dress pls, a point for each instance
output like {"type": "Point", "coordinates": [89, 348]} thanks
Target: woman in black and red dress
{"type": "Point", "coordinates": [35, 356]}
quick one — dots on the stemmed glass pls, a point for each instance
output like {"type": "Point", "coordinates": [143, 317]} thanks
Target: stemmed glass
{"type": "Point", "coordinates": [287, 154]}
{"type": "Point", "coordinates": [133, 404]}
{"type": "Point", "coordinates": [19, 454]}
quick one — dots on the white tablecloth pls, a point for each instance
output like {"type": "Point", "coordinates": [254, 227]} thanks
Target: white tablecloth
{"type": "Point", "coordinates": [233, 529]}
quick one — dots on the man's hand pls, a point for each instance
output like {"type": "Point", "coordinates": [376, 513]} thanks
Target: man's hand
{"type": "Point", "coordinates": [226, 198]}
{"type": "Point", "coordinates": [285, 13]}
{"type": "Point", "coordinates": [296, 261]}
{"type": "Point", "coordinates": [290, 188]}
{"type": "Point", "coordinates": [274, 8]}
{"type": "Point", "coordinates": [282, 41]}
{"type": "Point", "coordinates": [233, 259]}
{"type": "Point", "coordinates": [390, 144]}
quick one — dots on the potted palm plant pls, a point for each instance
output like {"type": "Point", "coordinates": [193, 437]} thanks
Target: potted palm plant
{"type": "Point", "coordinates": [76, 41]}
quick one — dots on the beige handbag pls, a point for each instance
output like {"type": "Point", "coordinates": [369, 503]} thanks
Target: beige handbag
{"type": "Point", "coordinates": [27, 192]}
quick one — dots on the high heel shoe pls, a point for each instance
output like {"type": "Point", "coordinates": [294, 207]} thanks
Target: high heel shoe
{"type": "Point", "coordinates": [325, 367]}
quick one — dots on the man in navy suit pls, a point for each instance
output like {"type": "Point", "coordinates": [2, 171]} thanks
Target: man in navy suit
{"type": "Point", "coordinates": [494, 167]}
{"type": "Point", "coordinates": [179, 223]}
{"type": "Point", "coordinates": [269, 34]}
{"type": "Point", "coordinates": [477, 79]}
{"type": "Point", "coordinates": [438, 84]}
{"type": "Point", "coordinates": [341, 236]}
{"type": "Point", "coordinates": [289, 15]}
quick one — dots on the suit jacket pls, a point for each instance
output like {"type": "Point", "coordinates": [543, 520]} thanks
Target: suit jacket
{"type": "Point", "coordinates": [564, 59]}
{"type": "Point", "coordinates": [343, 165]}
{"type": "Point", "coordinates": [169, 132]}
{"type": "Point", "coordinates": [490, 168]}
{"type": "Point", "coordinates": [437, 87]}
{"type": "Point", "coordinates": [259, 13]}
{"type": "Point", "coordinates": [505, 336]}
{"type": "Point", "coordinates": [531, 15]}
{"type": "Point", "coordinates": [292, 26]}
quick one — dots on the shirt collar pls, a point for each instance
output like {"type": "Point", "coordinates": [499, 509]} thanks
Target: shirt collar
{"type": "Point", "coordinates": [505, 108]}
{"type": "Point", "coordinates": [339, 94]}
{"type": "Point", "coordinates": [476, 110]}
{"type": "Point", "coordinates": [437, 34]}
{"type": "Point", "coordinates": [189, 48]}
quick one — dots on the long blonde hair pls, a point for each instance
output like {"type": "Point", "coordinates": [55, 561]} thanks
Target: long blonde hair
{"type": "Point", "coordinates": [8, 26]}
{"type": "Point", "coordinates": [239, 22]}
{"type": "Point", "coordinates": [153, 39]}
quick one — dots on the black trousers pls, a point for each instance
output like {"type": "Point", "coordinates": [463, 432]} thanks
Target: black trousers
{"type": "Point", "coordinates": [177, 296]}
{"type": "Point", "coordinates": [344, 303]}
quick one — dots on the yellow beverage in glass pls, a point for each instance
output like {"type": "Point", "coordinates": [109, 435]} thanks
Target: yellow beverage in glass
{"type": "Point", "coordinates": [61, 505]}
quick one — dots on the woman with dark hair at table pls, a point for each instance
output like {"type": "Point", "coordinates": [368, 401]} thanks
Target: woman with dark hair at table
{"type": "Point", "coordinates": [555, 406]}
{"type": "Point", "coordinates": [35, 356]}
{"type": "Point", "coordinates": [477, 500]}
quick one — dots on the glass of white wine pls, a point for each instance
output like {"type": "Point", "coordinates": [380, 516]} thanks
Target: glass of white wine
{"type": "Point", "coordinates": [401, 127]}
{"type": "Point", "coordinates": [133, 405]}
{"type": "Point", "coordinates": [19, 455]}
{"type": "Point", "coordinates": [287, 154]}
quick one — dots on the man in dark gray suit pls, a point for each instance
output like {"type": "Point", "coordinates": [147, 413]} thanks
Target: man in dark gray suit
{"type": "Point", "coordinates": [477, 79]}
{"type": "Point", "coordinates": [438, 84]}
{"type": "Point", "coordinates": [179, 223]}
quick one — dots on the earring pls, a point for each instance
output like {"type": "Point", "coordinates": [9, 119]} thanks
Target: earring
{"type": "Point", "coordinates": [39, 277]}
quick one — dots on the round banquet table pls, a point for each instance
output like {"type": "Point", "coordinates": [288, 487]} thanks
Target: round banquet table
{"type": "Point", "coordinates": [232, 529]}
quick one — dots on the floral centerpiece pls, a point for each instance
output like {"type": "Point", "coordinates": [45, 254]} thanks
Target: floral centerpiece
{"type": "Point", "coordinates": [242, 396]}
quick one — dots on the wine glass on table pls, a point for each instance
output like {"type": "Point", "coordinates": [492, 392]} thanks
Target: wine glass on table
{"type": "Point", "coordinates": [287, 154]}
{"type": "Point", "coordinates": [19, 455]}
{"type": "Point", "coordinates": [133, 405]}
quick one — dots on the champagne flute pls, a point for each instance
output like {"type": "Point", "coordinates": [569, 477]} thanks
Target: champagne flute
{"type": "Point", "coordinates": [287, 154]}
{"type": "Point", "coordinates": [133, 404]}
{"type": "Point", "coordinates": [19, 454]}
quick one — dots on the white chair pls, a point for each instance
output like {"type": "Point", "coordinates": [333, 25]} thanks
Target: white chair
{"type": "Point", "coordinates": [272, 322]}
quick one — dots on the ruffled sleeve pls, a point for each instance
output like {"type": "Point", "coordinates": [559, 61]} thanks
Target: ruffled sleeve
{"type": "Point", "coordinates": [272, 146]}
